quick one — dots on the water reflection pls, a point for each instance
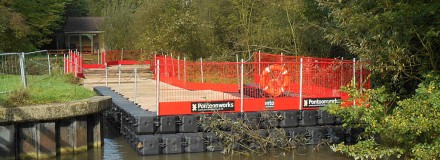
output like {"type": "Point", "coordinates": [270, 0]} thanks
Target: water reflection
{"type": "Point", "coordinates": [112, 149]}
{"type": "Point", "coordinates": [116, 148]}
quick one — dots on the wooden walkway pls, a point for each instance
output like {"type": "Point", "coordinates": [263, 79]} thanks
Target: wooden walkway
{"type": "Point", "coordinates": [145, 86]}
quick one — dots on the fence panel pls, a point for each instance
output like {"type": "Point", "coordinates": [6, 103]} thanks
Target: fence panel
{"type": "Point", "coordinates": [271, 82]}
{"type": "Point", "coordinates": [189, 81]}
{"type": "Point", "coordinates": [73, 64]}
{"type": "Point", "coordinates": [9, 72]}
{"type": "Point", "coordinates": [20, 70]}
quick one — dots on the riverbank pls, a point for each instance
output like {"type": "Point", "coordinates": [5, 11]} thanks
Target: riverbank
{"type": "Point", "coordinates": [42, 89]}
{"type": "Point", "coordinates": [44, 131]}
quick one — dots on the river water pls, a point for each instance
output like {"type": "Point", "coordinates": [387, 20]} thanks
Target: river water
{"type": "Point", "coordinates": [116, 148]}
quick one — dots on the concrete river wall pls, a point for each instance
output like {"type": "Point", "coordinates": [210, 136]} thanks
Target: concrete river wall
{"type": "Point", "coordinates": [45, 131]}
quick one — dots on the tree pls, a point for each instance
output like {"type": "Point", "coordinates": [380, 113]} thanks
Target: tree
{"type": "Point", "coordinates": [13, 30]}
{"type": "Point", "coordinates": [118, 18]}
{"type": "Point", "coordinates": [42, 16]}
{"type": "Point", "coordinates": [28, 25]}
{"type": "Point", "coordinates": [408, 129]}
{"type": "Point", "coordinates": [77, 8]}
{"type": "Point", "coordinates": [400, 40]}
{"type": "Point", "coordinates": [217, 29]}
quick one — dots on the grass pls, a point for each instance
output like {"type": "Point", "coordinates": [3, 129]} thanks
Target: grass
{"type": "Point", "coordinates": [42, 89]}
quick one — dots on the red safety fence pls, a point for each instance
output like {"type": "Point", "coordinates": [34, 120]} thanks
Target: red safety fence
{"type": "Point", "coordinates": [73, 64]}
{"type": "Point", "coordinates": [271, 82]}
{"type": "Point", "coordinates": [321, 74]}
{"type": "Point", "coordinates": [93, 59]}
{"type": "Point", "coordinates": [86, 60]}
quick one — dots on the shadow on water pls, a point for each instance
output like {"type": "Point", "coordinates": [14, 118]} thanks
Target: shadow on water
{"type": "Point", "coordinates": [116, 148]}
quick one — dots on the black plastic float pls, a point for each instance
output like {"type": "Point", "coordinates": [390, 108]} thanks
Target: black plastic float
{"type": "Point", "coordinates": [148, 144]}
{"type": "Point", "coordinates": [150, 134]}
{"type": "Point", "coordinates": [193, 142]}
{"type": "Point", "coordinates": [167, 124]}
{"type": "Point", "coordinates": [288, 119]}
{"type": "Point", "coordinates": [324, 118]}
{"type": "Point", "coordinates": [308, 118]}
{"type": "Point", "coordinates": [188, 123]}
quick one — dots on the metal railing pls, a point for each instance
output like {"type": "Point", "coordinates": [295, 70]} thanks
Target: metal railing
{"type": "Point", "coordinates": [199, 81]}
{"type": "Point", "coordinates": [26, 67]}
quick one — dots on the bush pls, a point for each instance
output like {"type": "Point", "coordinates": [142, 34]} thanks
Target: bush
{"type": "Point", "coordinates": [408, 128]}
{"type": "Point", "coordinates": [239, 137]}
{"type": "Point", "coordinates": [18, 97]}
{"type": "Point", "coordinates": [72, 79]}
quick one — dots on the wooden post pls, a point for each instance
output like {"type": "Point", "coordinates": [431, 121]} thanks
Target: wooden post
{"type": "Point", "coordinates": [7, 143]}
{"type": "Point", "coordinates": [72, 135]}
{"type": "Point", "coordinates": [79, 132]}
{"type": "Point", "coordinates": [37, 140]}
{"type": "Point", "coordinates": [94, 130]}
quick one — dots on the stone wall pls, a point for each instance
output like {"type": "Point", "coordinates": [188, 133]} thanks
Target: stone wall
{"type": "Point", "coordinates": [44, 131]}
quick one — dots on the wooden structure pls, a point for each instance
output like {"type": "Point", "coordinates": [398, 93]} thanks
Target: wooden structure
{"type": "Point", "coordinates": [82, 34]}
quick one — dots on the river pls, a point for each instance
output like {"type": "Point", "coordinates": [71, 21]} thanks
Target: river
{"type": "Point", "coordinates": [116, 148]}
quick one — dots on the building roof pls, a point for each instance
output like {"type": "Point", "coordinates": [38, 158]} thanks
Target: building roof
{"type": "Point", "coordinates": [83, 25]}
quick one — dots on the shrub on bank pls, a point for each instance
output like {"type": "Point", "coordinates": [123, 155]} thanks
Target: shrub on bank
{"type": "Point", "coordinates": [408, 128]}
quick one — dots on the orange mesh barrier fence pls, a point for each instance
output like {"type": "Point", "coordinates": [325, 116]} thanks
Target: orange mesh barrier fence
{"type": "Point", "coordinates": [283, 80]}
